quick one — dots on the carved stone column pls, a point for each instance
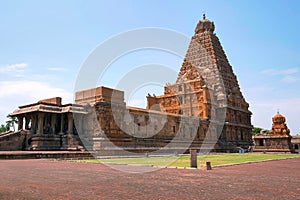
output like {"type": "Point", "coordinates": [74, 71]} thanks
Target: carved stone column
{"type": "Point", "coordinates": [27, 120]}
{"type": "Point", "coordinates": [40, 123]}
{"type": "Point", "coordinates": [62, 121]}
{"type": "Point", "coordinates": [53, 124]}
{"type": "Point", "coordinates": [70, 123]}
{"type": "Point", "coordinates": [70, 130]}
{"type": "Point", "coordinates": [20, 122]}
{"type": "Point", "coordinates": [33, 123]}
{"type": "Point", "coordinates": [61, 132]}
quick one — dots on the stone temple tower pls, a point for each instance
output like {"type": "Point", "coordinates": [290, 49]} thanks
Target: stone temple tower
{"type": "Point", "coordinates": [207, 88]}
{"type": "Point", "coordinates": [279, 139]}
{"type": "Point", "coordinates": [279, 127]}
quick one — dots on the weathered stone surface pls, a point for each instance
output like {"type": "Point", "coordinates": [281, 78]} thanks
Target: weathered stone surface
{"type": "Point", "coordinates": [47, 124]}
{"type": "Point", "coordinates": [296, 143]}
{"type": "Point", "coordinates": [279, 127]}
{"type": "Point", "coordinates": [193, 158]}
{"type": "Point", "coordinates": [99, 94]}
{"type": "Point", "coordinates": [206, 87]}
{"type": "Point", "coordinates": [10, 141]}
{"type": "Point", "coordinates": [54, 101]}
{"type": "Point", "coordinates": [279, 139]}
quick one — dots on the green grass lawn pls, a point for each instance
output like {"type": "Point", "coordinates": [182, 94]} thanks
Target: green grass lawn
{"type": "Point", "coordinates": [184, 161]}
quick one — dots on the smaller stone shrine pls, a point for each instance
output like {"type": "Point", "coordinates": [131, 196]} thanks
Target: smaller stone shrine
{"type": "Point", "coordinates": [45, 125]}
{"type": "Point", "coordinates": [278, 140]}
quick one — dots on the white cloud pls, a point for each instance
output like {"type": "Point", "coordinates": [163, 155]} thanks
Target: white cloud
{"type": "Point", "coordinates": [59, 69]}
{"type": "Point", "coordinates": [289, 79]}
{"type": "Point", "coordinates": [288, 71]}
{"type": "Point", "coordinates": [288, 75]}
{"type": "Point", "coordinates": [13, 68]}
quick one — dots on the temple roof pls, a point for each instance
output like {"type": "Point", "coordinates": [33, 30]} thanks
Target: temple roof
{"type": "Point", "coordinates": [206, 60]}
{"type": "Point", "coordinates": [204, 25]}
{"type": "Point", "coordinates": [51, 105]}
{"type": "Point", "coordinates": [278, 118]}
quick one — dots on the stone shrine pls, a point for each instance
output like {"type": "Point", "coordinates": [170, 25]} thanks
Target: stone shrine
{"type": "Point", "coordinates": [279, 127]}
{"type": "Point", "coordinates": [46, 125]}
{"type": "Point", "coordinates": [278, 140]}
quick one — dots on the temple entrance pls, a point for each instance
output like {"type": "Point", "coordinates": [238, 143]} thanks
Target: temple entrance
{"type": "Point", "coordinates": [261, 142]}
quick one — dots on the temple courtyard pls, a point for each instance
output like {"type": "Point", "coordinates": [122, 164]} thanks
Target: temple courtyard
{"type": "Point", "coordinates": [52, 179]}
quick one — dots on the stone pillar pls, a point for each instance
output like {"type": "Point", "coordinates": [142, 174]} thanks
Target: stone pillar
{"type": "Point", "coordinates": [208, 166]}
{"type": "Point", "coordinates": [40, 125]}
{"type": "Point", "coordinates": [193, 158]}
{"type": "Point", "coordinates": [20, 122]}
{"type": "Point", "coordinates": [61, 132]}
{"type": "Point", "coordinates": [70, 139]}
{"type": "Point", "coordinates": [62, 121]}
{"type": "Point", "coordinates": [53, 123]}
{"type": "Point", "coordinates": [33, 123]}
{"type": "Point", "coordinates": [70, 123]}
{"type": "Point", "coordinates": [47, 123]}
{"type": "Point", "coordinates": [27, 120]}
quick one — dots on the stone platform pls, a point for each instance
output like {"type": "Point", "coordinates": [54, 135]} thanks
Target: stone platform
{"type": "Point", "coordinates": [43, 154]}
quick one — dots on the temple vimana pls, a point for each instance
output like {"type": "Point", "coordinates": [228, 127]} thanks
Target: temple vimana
{"type": "Point", "coordinates": [204, 109]}
{"type": "Point", "coordinates": [278, 140]}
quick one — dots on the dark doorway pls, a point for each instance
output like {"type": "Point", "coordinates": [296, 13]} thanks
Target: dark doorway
{"type": "Point", "coordinates": [261, 142]}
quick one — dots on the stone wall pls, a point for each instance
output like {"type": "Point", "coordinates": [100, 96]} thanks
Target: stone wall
{"type": "Point", "coordinates": [112, 126]}
{"type": "Point", "coordinates": [12, 141]}
{"type": "Point", "coordinates": [98, 94]}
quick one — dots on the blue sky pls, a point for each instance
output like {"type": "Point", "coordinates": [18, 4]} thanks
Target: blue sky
{"type": "Point", "coordinates": [44, 43]}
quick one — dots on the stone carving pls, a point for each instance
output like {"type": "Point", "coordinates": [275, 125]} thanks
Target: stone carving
{"type": "Point", "coordinates": [207, 74]}
{"type": "Point", "coordinates": [279, 139]}
{"type": "Point", "coordinates": [279, 127]}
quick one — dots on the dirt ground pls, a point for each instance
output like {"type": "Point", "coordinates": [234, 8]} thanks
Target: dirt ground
{"type": "Point", "coordinates": [46, 179]}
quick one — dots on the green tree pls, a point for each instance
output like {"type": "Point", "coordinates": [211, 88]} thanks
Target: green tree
{"type": "Point", "coordinates": [2, 128]}
{"type": "Point", "coordinates": [256, 130]}
{"type": "Point", "coordinates": [11, 122]}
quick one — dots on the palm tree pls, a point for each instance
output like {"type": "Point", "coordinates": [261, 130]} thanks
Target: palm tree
{"type": "Point", "coordinates": [11, 122]}
{"type": "Point", "coordinates": [8, 125]}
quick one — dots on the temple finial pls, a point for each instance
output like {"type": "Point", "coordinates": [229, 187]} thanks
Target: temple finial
{"type": "Point", "coordinates": [203, 16]}
{"type": "Point", "coordinates": [277, 110]}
